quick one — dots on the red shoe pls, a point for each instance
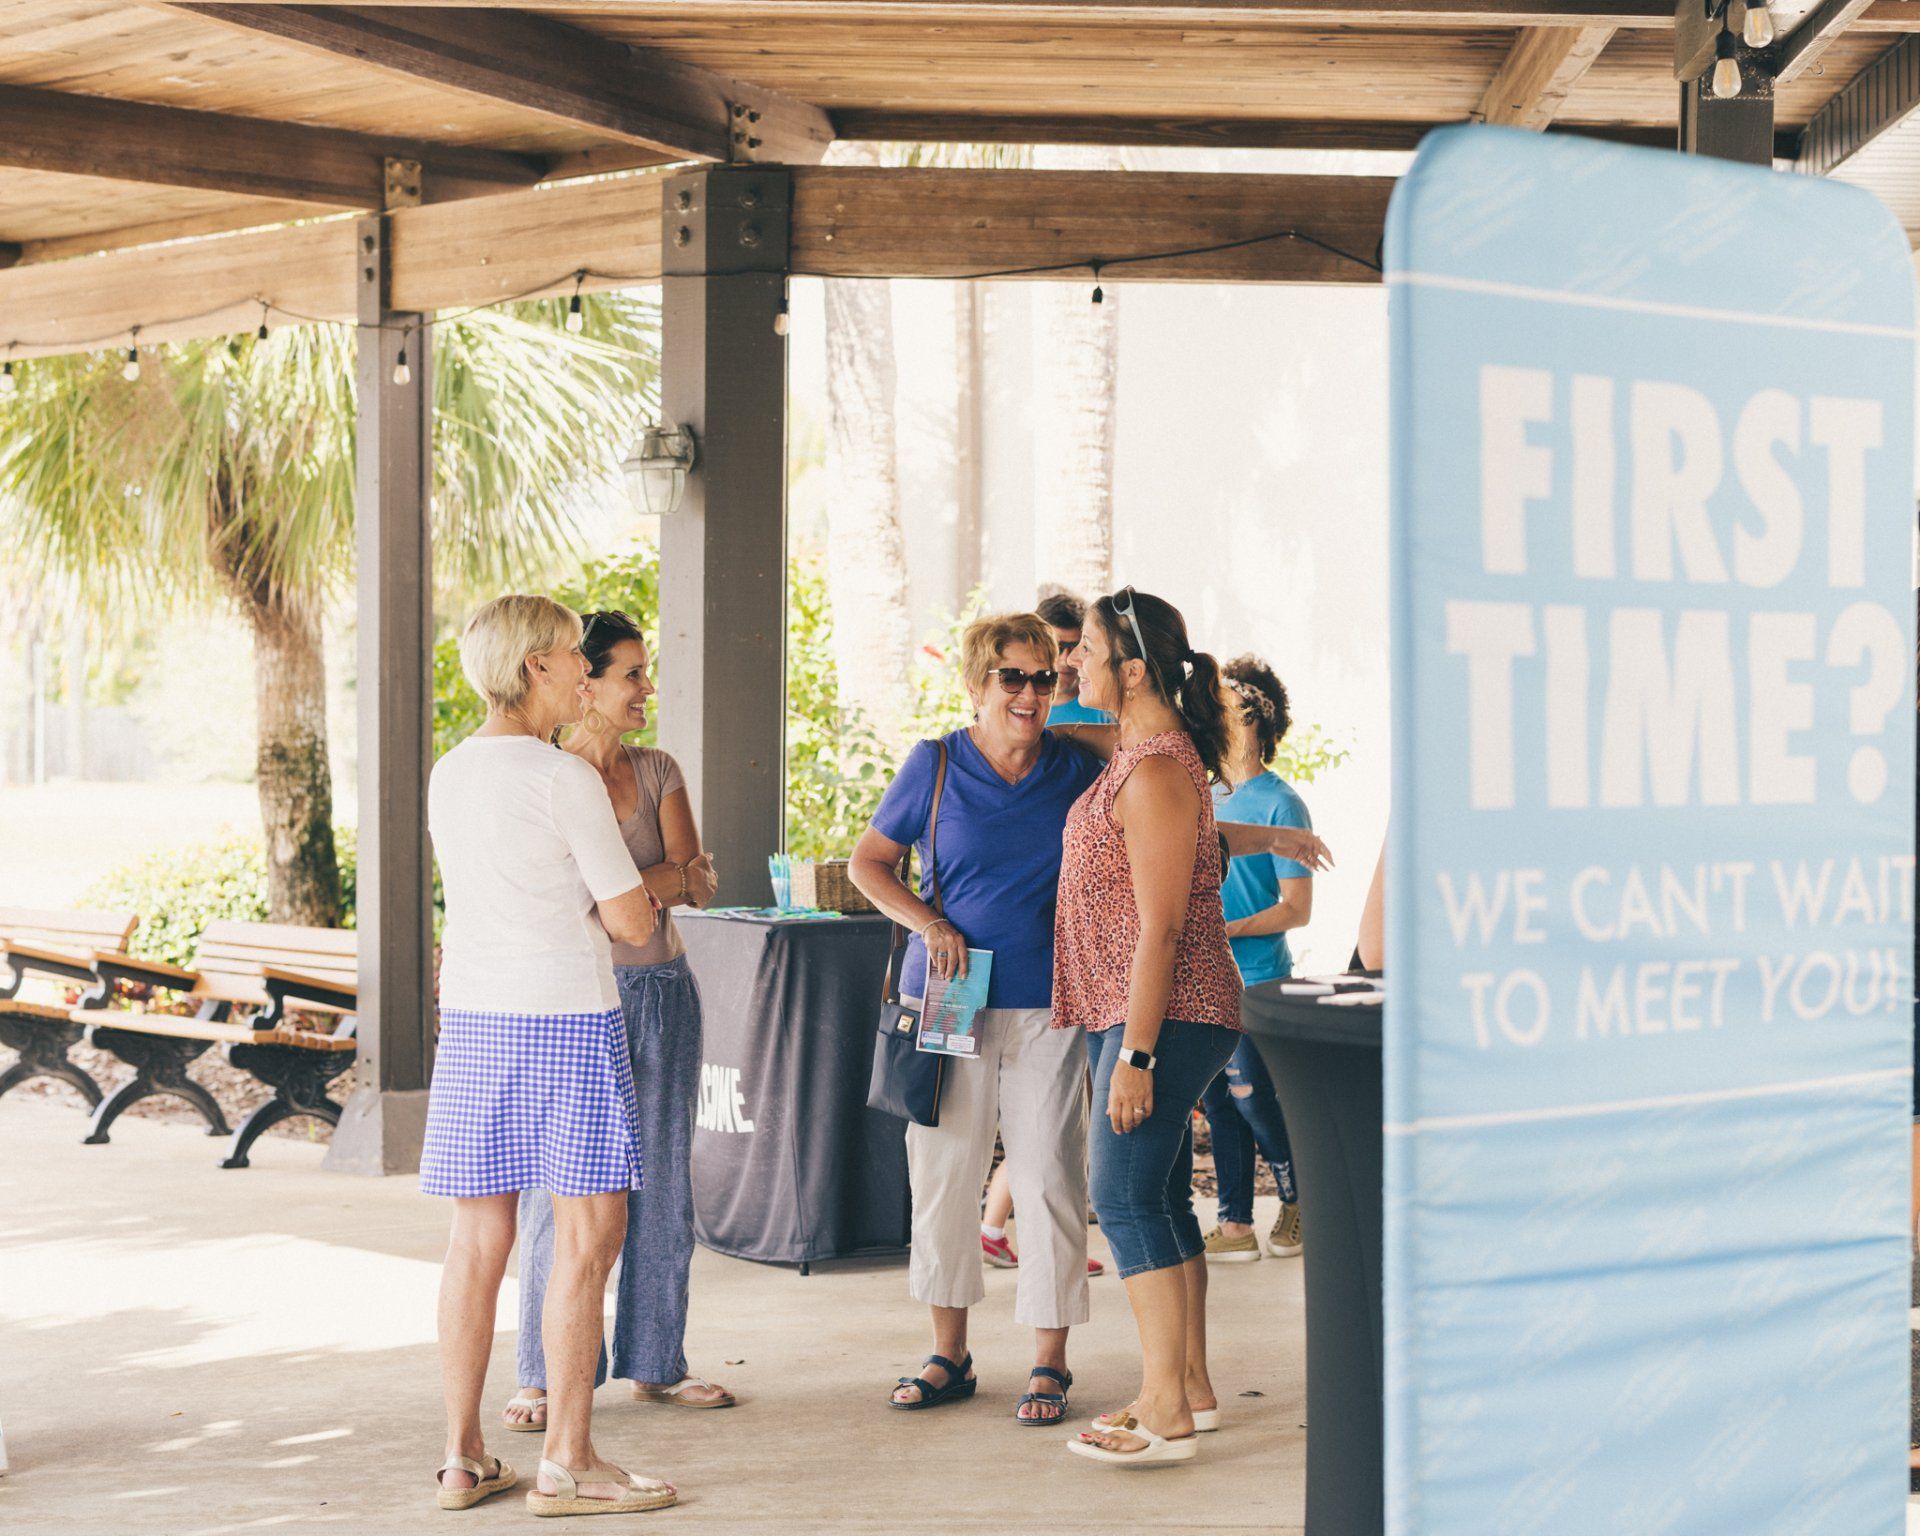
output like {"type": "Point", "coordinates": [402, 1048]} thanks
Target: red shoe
{"type": "Point", "coordinates": [1095, 1267]}
{"type": "Point", "coordinates": [998, 1252]}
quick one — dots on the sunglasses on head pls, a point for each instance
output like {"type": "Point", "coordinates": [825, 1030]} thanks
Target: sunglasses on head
{"type": "Point", "coordinates": [1123, 605]}
{"type": "Point", "coordinates": [1013, 680]}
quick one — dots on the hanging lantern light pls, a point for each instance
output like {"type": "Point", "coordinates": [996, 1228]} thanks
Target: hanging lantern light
{"type": "Point", "coordinates": [658, 467]}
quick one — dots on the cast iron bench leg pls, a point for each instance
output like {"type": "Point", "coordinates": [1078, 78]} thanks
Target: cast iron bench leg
{"type": "Point", "coordinates": [43, 1045]}
{"type": "Point", "coordinates": [299, 1079]}
{"type": "Point", "coordinates": [159, 1065]}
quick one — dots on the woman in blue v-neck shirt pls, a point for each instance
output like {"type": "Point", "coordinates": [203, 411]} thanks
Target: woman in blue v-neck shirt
{"type": "Point", "coordinates": [1009, 785]}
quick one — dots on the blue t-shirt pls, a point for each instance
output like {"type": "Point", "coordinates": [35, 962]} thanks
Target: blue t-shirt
{"type": "Point", "coordinates": [1253, 880]}
{"type": "Point", "coordinates": [1073, 712]}
{"type": "Point", "coordinates": [999, 856]}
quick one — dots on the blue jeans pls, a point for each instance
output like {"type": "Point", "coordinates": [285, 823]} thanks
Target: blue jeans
{"type": "Point", "coordinates": [1143, 1181]}
{"type": "Point", "coordinates": [1240, 1122]}
{"type": "Point", "coordinates": [661, 1006]}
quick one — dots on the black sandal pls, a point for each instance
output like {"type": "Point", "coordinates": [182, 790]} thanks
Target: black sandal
{"type": "Point", "coordinates": [960, 1386]}
{"type": "Point", "coordinates": [1057, 1399]}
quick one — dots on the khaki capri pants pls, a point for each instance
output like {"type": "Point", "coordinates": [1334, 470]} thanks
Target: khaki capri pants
{"type": "Point", "coordinates": [1030, 1082]}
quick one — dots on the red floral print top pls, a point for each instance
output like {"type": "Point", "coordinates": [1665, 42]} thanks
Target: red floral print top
{"type": "Point", "coordinates": [1097, 923]}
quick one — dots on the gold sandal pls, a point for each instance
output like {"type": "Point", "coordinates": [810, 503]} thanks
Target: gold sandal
{"type": "Point", "coordinates": [485, 1486]}
{"type": "Point", "coordinates": [640, 1493]}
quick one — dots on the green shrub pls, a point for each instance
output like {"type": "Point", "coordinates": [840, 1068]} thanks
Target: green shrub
{"type": "Point", "coordinates": [178, 891]}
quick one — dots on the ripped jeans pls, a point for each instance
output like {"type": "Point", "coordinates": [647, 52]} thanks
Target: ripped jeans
{"type": "Point", "coordinates": [1243, 1113]}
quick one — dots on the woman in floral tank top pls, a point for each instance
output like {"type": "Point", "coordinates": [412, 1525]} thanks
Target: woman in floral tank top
{"type": "Point", "coordinates": [1141, 963]}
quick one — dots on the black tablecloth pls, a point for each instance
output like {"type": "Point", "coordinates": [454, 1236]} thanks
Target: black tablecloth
{"type": "Point", "coordinates": [1326, 1063]}
{"type": "Point", "coordinates": [789, 1164]}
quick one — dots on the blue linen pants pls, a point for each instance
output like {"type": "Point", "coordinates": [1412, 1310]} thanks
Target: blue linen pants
{"type": "Point", "coordinates": [1143, 1181]}
{"type": "Point", "coordinates": [661, 1006]}
{"type": "Point", "coordinates": [1243, 1113]}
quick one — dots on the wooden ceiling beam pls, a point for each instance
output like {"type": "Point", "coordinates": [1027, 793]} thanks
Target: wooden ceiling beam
{"type": "Point", "coordinates": [1801, 48]}
{"type": "Point", "coordinates": [169, 146]}
{"type": "Point", "coordinates": [1544, 64]}
{"type": "Point", "coordinates": [551, 70]}
{"type": "Point", "coordinates": [848, 221]}
{"type": "Point", "coordinates": [1879, 15]}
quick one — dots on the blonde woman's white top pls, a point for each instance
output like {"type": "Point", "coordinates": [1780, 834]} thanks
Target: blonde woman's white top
{"type": "Point", "coordinates": [527, 843]}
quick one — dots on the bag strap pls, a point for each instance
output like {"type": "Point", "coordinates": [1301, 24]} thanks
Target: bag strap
{"type": "Point", "coordinates": [889, 990]}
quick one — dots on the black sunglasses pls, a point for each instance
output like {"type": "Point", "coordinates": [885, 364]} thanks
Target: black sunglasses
{"type": "Point", "coordinates": [1013, 680]}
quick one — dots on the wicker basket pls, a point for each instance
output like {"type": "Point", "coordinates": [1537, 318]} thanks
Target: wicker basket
{"type": "Point", "coordinates": [825, 885]}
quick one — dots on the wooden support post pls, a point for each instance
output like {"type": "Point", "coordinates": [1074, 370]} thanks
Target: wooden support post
{"type": "Point", "coordinates": [1739, 128]}
{"type": "Point", "coordinates": [385, 1120]}
{"type": "Point", "coordinates": [723, 554]}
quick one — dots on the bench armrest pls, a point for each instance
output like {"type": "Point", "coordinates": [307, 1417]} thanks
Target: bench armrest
{"type": "Point", "coordinates": [24, 959]}
{"type": "Point", "coordinates": [295, 989]}
{"type": "Point", "coordinates": [116, 965]}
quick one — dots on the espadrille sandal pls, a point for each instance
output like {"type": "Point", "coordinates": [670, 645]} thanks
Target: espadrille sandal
{"type": "Point", "coordinates": [639, 1493]}
{"type": "Point", "coordinates": [485, 1484]}
{"type": "Point", "coordinates": [529, 1425]}
{"type": "Point", "coordinates": [1155, 1452]}
{"type": "Point", "coordinates": [960, 1386]}
{"type": "Point", "coordinates": [675, 1395]}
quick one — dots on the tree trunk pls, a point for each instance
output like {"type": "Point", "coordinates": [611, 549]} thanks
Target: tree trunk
{"type": "Point", "coordinates": [969, 467]}
{"type": "Point", "coordinates": [866, 545]}
{"type": "Point", "coordinates": [1075, 375]}
{"type": "Point", "coordinates": [293, 777]}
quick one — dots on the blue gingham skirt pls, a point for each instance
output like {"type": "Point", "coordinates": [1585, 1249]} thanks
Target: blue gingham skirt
{"type": "Point", "coordinates": [531, 1101]}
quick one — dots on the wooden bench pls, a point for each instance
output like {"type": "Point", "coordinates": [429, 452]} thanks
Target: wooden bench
{"type": "Point", "coordinates": [45, 953]}
{"type": "Point", "coordinates": [248, 981]}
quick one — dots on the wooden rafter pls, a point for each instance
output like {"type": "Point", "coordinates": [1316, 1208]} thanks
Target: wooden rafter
{"type": "Point", "coordinates": [551, 70]}
{"type": "Point", "coordinates": [847, 222]}
{"type": "Point", "coordinates": [1879, 15]}
{"type": "Point", "coordinates": [1198, 132]}
{"type": "Point", "coordinates": [1800, 50]}
{"type": "Point", "coordinates": [167, 146]}
{"type": "Point", "coordinates": [1541, 68]}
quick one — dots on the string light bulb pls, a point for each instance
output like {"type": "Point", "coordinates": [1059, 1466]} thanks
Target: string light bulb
{"type": "Point", "coordinates": [261, 334]}
{"type": "Point", "coordinates": [402, 374]}
{"type": "Point", "coordinates": [8, 383]}
{"type": "Point", "coordinates": [576, 318]}
{"type": "Point", "coordinates": [130, 371]}
{"type": "Point", "coordinates": [780, 319]}
{"type": "Point", "coordinates": [1758, 29]}
{"type": "Point", "coordinates": [1726, 69]}
{"type": "Point", "coordinates": [1099, 293]}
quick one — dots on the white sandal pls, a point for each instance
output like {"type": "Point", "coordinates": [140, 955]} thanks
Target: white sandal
{"type": "Point", "coordinates": [1156, 1450]}
{"type": "Point", "coordinates": [639, 1493]}
{"type": "Point", "coordinates": [1205, 1420]}
{"type": "Point", "coordinates": [531, 1426]}
{"type": "Point", "coordinates": [672, 1398]}
{"type": "Point", "coordinates": [484, 1487]}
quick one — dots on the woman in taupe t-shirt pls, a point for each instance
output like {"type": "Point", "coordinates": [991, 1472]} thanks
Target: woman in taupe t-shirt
{"type": "Point", "coordinates": [661, 1004]}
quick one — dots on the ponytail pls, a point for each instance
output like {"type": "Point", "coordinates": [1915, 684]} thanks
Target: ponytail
{"type": "Point", "coordinates": [1203, 712]}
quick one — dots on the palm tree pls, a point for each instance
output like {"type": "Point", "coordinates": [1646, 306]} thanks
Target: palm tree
{"type": "Point", "coordinates": [1075, 409]}
{"type": "Point", "coordinates": [225, 473]}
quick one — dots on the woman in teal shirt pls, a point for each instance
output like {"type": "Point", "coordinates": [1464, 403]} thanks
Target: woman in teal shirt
{"type": "Point", "coordinates": [1265, 898]}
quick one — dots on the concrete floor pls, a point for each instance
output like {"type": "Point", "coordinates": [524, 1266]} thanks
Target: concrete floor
{"type": "Point", "coordinates": [186, 1351]}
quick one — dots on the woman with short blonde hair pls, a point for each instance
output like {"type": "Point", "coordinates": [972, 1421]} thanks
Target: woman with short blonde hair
{"type": "Point", "coordinates": [532, 1085]}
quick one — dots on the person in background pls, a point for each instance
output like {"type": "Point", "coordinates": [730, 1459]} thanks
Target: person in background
{"type": "Point", "coordinates": [532, 1085]}
{"type": "Point", "coordinates": [1141, 964]}
{"type": "Point", "coordinates": [1065, 614]}
{"type": "Point", "coordinates": [996, 1240]}
{"type": "Point", "coordinates": [660, 1003]}
{"type": "Point", "coordinates": [1008, 786]}
{"type": "Point", "coordinates": [1266, 898]}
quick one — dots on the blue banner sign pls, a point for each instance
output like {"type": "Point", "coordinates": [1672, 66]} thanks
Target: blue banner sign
{"type": "Point", "coordinates": [1651, 862]}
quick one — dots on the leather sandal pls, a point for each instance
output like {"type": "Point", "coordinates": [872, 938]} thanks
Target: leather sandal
{"type": "Point", "coordinates": [1052, 1399]}
{"type": "Point", "coordinates": [1157, 1449]}
{"type": "Point", "coordinates": [1205, 1420]}
{"type": "Point", "coordinates": [960, 1386]}
{"type": "Point", "coordinates": [636, 1493]}
{"type": "Point", "coordinates": [485, 1484]}
{"type": "Point", "coordinates": [675, 1395]}
{"type": "Point", "coordinates": [529, 1425]}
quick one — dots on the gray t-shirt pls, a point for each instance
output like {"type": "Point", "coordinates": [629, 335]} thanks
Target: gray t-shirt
{"type": "Point", "coordinates": [656, 775]}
